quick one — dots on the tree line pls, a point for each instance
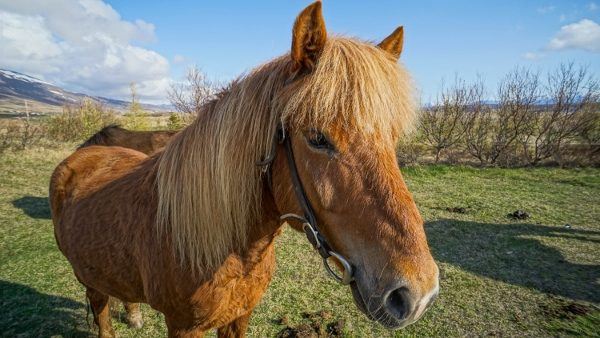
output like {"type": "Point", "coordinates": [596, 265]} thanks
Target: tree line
{"type": "Point", "coordinates": [535, 119]}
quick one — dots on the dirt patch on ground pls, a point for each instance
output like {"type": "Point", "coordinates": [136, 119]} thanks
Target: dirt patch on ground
{"type": "Point", "coordinates": [562, 309]}
{"type": "Point", "coordinates": [316, 325]}
{"type": "Point", "coordinates": [518, 214]}
{"type": "Point", "coordinates": [457, 210]}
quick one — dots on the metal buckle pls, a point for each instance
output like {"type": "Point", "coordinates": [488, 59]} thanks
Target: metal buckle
{"type": "Point", "coordinates": [311, 235]}
{"type": "Point", "coordinates": [348, 274]}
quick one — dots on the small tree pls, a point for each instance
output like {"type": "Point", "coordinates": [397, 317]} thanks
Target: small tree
{"type": "Point", "coordinates": [444, 124]}
{"type": "Point", "coordinates": [478, 133]}
{"type": "Point", "coordinates": [177, 121]}
{"type": "Point", "coordinates": [493, 132]}
{"type": "Point", "coordinates": [136, 118]}
{"type": "Point", "coordinates": [572, 95]}
{"type": "Point", "coordinates": [20, 133]}
{"type": "Point", "coordinates": [189, 96]}
{"type": "Point", "coordinates": [589, 133]}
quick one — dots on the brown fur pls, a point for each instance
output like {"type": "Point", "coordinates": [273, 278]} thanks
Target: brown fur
{"type": "Point", "coordinates": [147, 142]}
{"type": "Point", "coordinates": [190, 230]}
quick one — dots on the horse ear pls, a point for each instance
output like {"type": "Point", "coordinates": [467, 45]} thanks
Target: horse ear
{"type": "Point", "coordinates": [308, 38]}
{"type": "Point", "coordinates": [393, 43]}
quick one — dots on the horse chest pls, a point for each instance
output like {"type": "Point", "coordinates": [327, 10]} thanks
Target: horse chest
{"type": "Point", "coordinates": [234, 290]}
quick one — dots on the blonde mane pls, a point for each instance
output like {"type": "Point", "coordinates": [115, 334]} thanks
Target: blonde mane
{"type": "Point", "coordinates": [209, 186]}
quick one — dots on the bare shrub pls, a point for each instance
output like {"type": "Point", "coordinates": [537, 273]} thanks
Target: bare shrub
{"type": "Point", "coordinates": [189, 96]}
{"type": "Point", "coordinates": [572, 95]}
{"type": "Point", "coordinates": [19, 134]}
{"type": "Point", "coordinates": [493, 133]}
{"type": "Point", "coordinates": [589, 134]}
{"type": "Point", "coordinates": [29, 132]}
{"type": "Point", "coordinates": [9, 134]}
{"type": "Point", "coordinates": [410, 150]}
{"type": "Point", "coordinates": [444, 124]}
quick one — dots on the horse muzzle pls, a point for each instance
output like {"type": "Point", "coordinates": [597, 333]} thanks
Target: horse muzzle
{"type": "Point", "coordinates": [395, 306]}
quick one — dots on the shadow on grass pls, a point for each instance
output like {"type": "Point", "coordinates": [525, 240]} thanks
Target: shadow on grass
{"type": "Point", "coordinates": [33, 206]}
{"type": "Point", "coordinates": [28, 313]}
{"type": "Point", "coordinates": [503, 252]}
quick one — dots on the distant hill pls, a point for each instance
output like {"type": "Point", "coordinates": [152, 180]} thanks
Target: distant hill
{"type": "Point", "coordinates": [43, 97]}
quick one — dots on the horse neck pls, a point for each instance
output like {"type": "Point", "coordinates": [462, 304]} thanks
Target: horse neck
{"type": "Point", "coordinates": [270, 224]}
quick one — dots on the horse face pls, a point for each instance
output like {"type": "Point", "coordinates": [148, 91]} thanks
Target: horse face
{"type": "Point", "coordinates": [367, 214]}
{"type": "Point", "coordinates": [361, 202]}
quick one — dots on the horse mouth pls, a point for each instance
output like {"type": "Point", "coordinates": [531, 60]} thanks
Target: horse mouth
{"type": "Point", "coordinates": [359, 301]}
{"type": "Point", "coordinates": [378, 314]}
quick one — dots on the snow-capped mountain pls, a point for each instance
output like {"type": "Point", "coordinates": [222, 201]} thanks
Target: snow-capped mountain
{"type": "Point", "coordinates": [18, 90]}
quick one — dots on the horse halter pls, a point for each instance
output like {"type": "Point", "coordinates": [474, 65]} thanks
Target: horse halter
{"type": "Point", "coordinates": [309, 220]}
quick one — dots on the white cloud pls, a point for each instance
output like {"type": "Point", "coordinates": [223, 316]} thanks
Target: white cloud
{"type": "Point", "coordinates": [592, 6]}
{"type": "Point", "coordinates": [532, 56]}
{"type": "Point", "coordinates": [83, 45]}
{"type": "Point", "coordinates": [584, 34]}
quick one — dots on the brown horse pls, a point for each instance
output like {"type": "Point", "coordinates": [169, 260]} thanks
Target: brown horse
{"type": "Point", "coordinates": [190, 230]}
{"type": "Point", "coordinates": [146, 142]}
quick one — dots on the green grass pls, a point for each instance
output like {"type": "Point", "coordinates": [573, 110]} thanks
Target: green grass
{"type": "Point", "coordinates": [534, 277]}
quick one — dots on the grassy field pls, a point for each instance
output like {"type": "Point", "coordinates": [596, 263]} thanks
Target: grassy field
{"type": "Point", "coordinates": [500, 277]}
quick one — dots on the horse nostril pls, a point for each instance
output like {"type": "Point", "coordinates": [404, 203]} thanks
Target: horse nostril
{"type": "Point", "coordinates": [398, 304]}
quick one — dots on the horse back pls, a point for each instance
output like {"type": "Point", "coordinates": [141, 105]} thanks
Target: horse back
{"type": "Point", "coordinates": [87, 170]}
{"type": "Point", "coordinates": [84, 174]}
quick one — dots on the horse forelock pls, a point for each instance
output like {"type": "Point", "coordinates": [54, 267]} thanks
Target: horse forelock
{"type": "Point", "coordinates": [209, 186]}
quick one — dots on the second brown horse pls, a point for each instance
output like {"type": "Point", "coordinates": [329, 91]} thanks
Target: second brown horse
{"type": "Point", "coordinates": [147, 142]}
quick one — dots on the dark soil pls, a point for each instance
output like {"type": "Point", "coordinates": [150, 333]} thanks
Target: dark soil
{"type": "Point", "coordinates": [318, 325]}
{"type": "Point", "coordinates": [563, 309]}
{"type": "Point", "coordinates": [518, 214]}
{"type": "Point", "coordinates": [457, 210]}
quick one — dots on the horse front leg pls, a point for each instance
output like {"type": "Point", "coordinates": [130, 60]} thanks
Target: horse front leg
{"type": "Point", "coordinates": [237, 328]}
{"type": "Point", "coordinates": [134, 315]}
{"type": "Point", "coordinates": [101, 310]}
{"type": "Point", "coordinates": [180, 328]}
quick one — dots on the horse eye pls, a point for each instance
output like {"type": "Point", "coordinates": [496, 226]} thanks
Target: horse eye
{"type": "Point", "coordinates": [317, 140]}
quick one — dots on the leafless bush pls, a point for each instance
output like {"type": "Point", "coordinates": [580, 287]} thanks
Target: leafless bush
{"type": "Point", "coordinates": [572, 100]}
{"type": "Point", "coordinates": [493, 133]}
{"type": "Point", "coordinates": [19, 134]}
{"type": "Point", "coordinates": [410, 150]}
{"type": "Point", "coordinates": [188, 97]}
{"type": "Point", "coordinates": [444, 124]}
{"type": "Point", "coordinates": [9, 133]}
{"type": "Point", "coordinates": [589, 133]}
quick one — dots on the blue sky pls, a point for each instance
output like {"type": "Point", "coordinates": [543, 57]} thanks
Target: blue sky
{"type": "Point", "coordinates": [442, 38]}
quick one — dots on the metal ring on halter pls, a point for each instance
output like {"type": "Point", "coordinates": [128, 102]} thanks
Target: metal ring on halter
{"type": "Point", "coordinates": [348, 274]}
{"type": "Point", "coordinates": [314, 237]}
{"type": "Point", "coordinates": [294, 217]}
{"type": "Point", "coordinates": [309, 230]}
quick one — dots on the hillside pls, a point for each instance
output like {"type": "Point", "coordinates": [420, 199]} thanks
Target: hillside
{"type": "Point", "coordinates": [18, 90]}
